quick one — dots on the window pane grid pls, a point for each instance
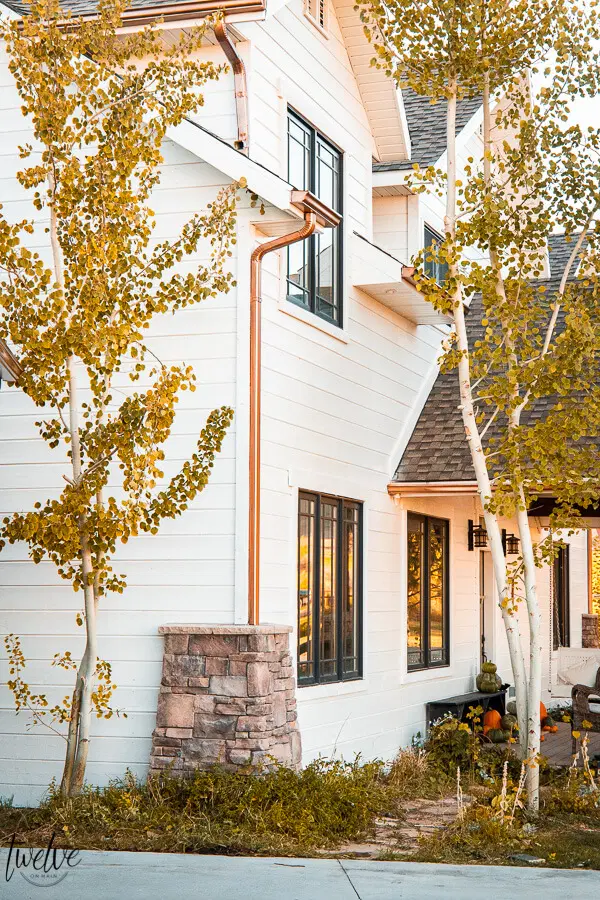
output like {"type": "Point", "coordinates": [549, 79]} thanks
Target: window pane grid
{"type": "Point", "coordinates": [427, 592]}
{"type": "Point", "coordinates": [432, 266]}
{"type": "Point", "coordinates": [314, 273]}
{"type": "Point", "coordinates": [329, 589]}
{"type": "Point", "coordinates": [352, 576]}
{"type": "Point", "coordinates": [306, 543]}
{"type": "Point", "coordinates": [415, 605]}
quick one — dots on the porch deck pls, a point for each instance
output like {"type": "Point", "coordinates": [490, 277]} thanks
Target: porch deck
{"type": "Point", "coordinates": [557, 747]}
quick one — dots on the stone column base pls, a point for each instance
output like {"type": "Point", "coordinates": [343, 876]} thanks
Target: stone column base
{"type": "Point", "coordinates": [227, 696]}
{"type": "Point", "coordinates": [590, 631]}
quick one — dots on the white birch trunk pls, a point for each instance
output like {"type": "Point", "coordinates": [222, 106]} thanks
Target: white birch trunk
{"type": "Point", "coordinates": [484, 487]}
{"type": "Point", "coordinates": [79, 729]}
{"type": "Point", "coordinates": [535, 661]}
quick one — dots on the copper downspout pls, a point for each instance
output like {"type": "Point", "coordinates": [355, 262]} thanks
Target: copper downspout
{"type": "Point", "coordinates": [310, 223]}
{"type": "Point", "coordinates": [590, 557]}
{"type": "Point", "coordinates": [239, 81]}
{"type": "Point", "coordinates": [10, 362]}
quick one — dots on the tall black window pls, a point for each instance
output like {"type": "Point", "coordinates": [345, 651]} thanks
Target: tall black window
{"type": "Point", "coordinates": [314, 266]}
{"type": "Point", "coordinates": [433, 266]}
{"type": "Point", "coordinates": [428, 594]}
{"type": "Point", "coordinates": [562, 599]}
{"type": "Point", "coordinates": [329, 589]}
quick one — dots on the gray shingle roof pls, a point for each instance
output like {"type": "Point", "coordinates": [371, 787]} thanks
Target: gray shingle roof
{"type": "Point", "coordinates": [427, 127]}
{"type": "Point", "coordinates": [437, 449]}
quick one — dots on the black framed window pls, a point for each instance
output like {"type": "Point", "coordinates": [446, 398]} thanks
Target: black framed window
{"type": "Point", "coordinates": [433, 266]}
{"type": "Point", "coordinates": [428, 592]}
{"type": "Point", "coordinates": [314, 266]}
{"type": "Point", "coordinates": [562, 599]}
{"type": "Point", "coordinates": [329, 589]}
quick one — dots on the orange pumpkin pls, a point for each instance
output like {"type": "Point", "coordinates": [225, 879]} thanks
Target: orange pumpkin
{"type": "Point", "coordinates": [492, 719]}
{"type": "Point", "coordinates": [547, 728]}
{"type": "Point", "coordinates": [542, 737]}
{"type": "Point", "coordinates": [554, 729]}
{"type": "Point", "coordinates": [543, 712]}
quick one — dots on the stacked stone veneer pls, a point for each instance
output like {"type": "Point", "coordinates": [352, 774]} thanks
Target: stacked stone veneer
{"type": "Point", "coordinates": [227, 696]}
{"type": "Point", "coordinates": [590, 631]}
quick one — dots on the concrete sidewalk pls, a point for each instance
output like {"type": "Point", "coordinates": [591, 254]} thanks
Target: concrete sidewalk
{"type": "Point", "coordinates": [126, 876]}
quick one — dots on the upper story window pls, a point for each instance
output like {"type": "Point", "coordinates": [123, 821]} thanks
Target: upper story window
{"type": "Point", "coordinates": [329, 588]}
{"type": "Point", "coordinates": [314, 266]}
{"type": "Point", "coordinates": [428, 593]}
{"type": "Point", "coordinates": [434, 267]}
{"type": "Point", "coordinates": [316, 12]}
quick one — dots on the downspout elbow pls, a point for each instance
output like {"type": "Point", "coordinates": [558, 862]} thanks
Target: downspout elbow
{"type": "Point", "coordinates": [240, 86]}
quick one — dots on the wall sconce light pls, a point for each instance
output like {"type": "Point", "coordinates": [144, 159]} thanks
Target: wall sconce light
{"type": "Point", "coordinates": [511, 543]}
{"type": "Point", "coordinates": [477, 536]}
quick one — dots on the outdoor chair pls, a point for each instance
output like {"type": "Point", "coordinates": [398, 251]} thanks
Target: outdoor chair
{"type": "Point", "coordinates": [586, 707]}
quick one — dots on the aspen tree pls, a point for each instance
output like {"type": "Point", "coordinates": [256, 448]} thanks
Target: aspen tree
{"type": "Point", "coordinates": [100, 104]}
{"type": "Point", "coordinates": [527, 367]}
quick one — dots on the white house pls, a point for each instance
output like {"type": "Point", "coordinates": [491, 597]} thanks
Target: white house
{"type": "Point", "coordinates": [357, 454]}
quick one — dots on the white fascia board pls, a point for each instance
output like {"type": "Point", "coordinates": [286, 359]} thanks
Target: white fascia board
{"type": "Point", "coordinates": [235, 165]}
{"type": "Point", "coordinates": [273, 6]}
{"type": "Point", "coordinates": [392, 178]}
{"type": "Point", "coordinates": [7, 13]}
{"type": "Point", "coordinates": [404, 121]}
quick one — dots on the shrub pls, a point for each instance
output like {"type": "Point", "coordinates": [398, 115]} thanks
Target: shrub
{"type": "Point", "coordinates": [451, 744]}
{"type": "Point", "coordinates": [480, 835]}
{"type": "Point", "coordinates": [412, 775]}
{"type": "Point", "coordinates": [273, 812]}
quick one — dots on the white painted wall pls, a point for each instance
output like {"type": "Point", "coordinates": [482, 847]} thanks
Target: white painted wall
{"type": "Point", "coordinates": [335, 403]}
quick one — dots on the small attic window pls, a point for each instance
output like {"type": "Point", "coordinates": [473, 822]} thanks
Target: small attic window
{"type": "Point", "coordinates": [316, 12]}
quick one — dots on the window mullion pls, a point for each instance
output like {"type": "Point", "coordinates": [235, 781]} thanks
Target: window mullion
{"type": "Point", "coordinates": [360, 594]}
{"type": "Point", "coordinates": [312, 241]}
{"type": "Point", "coordinates": [341, 587]}
{"type": "Point", "coordinates": [317, 591]}
{"type": "Point", "coordinates": [426, 592]}
{"type": "Point", "coordinates": [446, 597]}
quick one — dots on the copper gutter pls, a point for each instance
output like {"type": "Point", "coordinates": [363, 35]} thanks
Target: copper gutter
{"type": "Point", "coordinates": [315, 213]}
{"type": "Point", "coordinates": [178, 12]}
{"type": "Point", "coordinates": [430, 488]}
{"type": "Point", "coordinates": [239, 81]}
{"type": "Point", "coordinates": [10, 363]}
{"type": "Point", "coordinates": [443, 488]}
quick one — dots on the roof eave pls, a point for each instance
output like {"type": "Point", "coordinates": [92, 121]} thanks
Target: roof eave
{"type": "Point", "coordinates": [181, 12]}
{"type": "Point", "coordinates": [175, 12]}
{"type": "Point", "coordinates": [431, 488]}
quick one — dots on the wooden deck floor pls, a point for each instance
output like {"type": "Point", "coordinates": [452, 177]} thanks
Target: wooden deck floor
{"type": "Point", "coordinates": [557, 747]}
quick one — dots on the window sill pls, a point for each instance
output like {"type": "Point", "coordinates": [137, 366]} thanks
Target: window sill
{"type": "Point", "coordinates": [322, 29]}
{"type": "Point", "coordinates": [430, 674]}
{"type": "Point", "coordinates": [309, 318]}
{"type": "Point", "coordinates": [334, 689]}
